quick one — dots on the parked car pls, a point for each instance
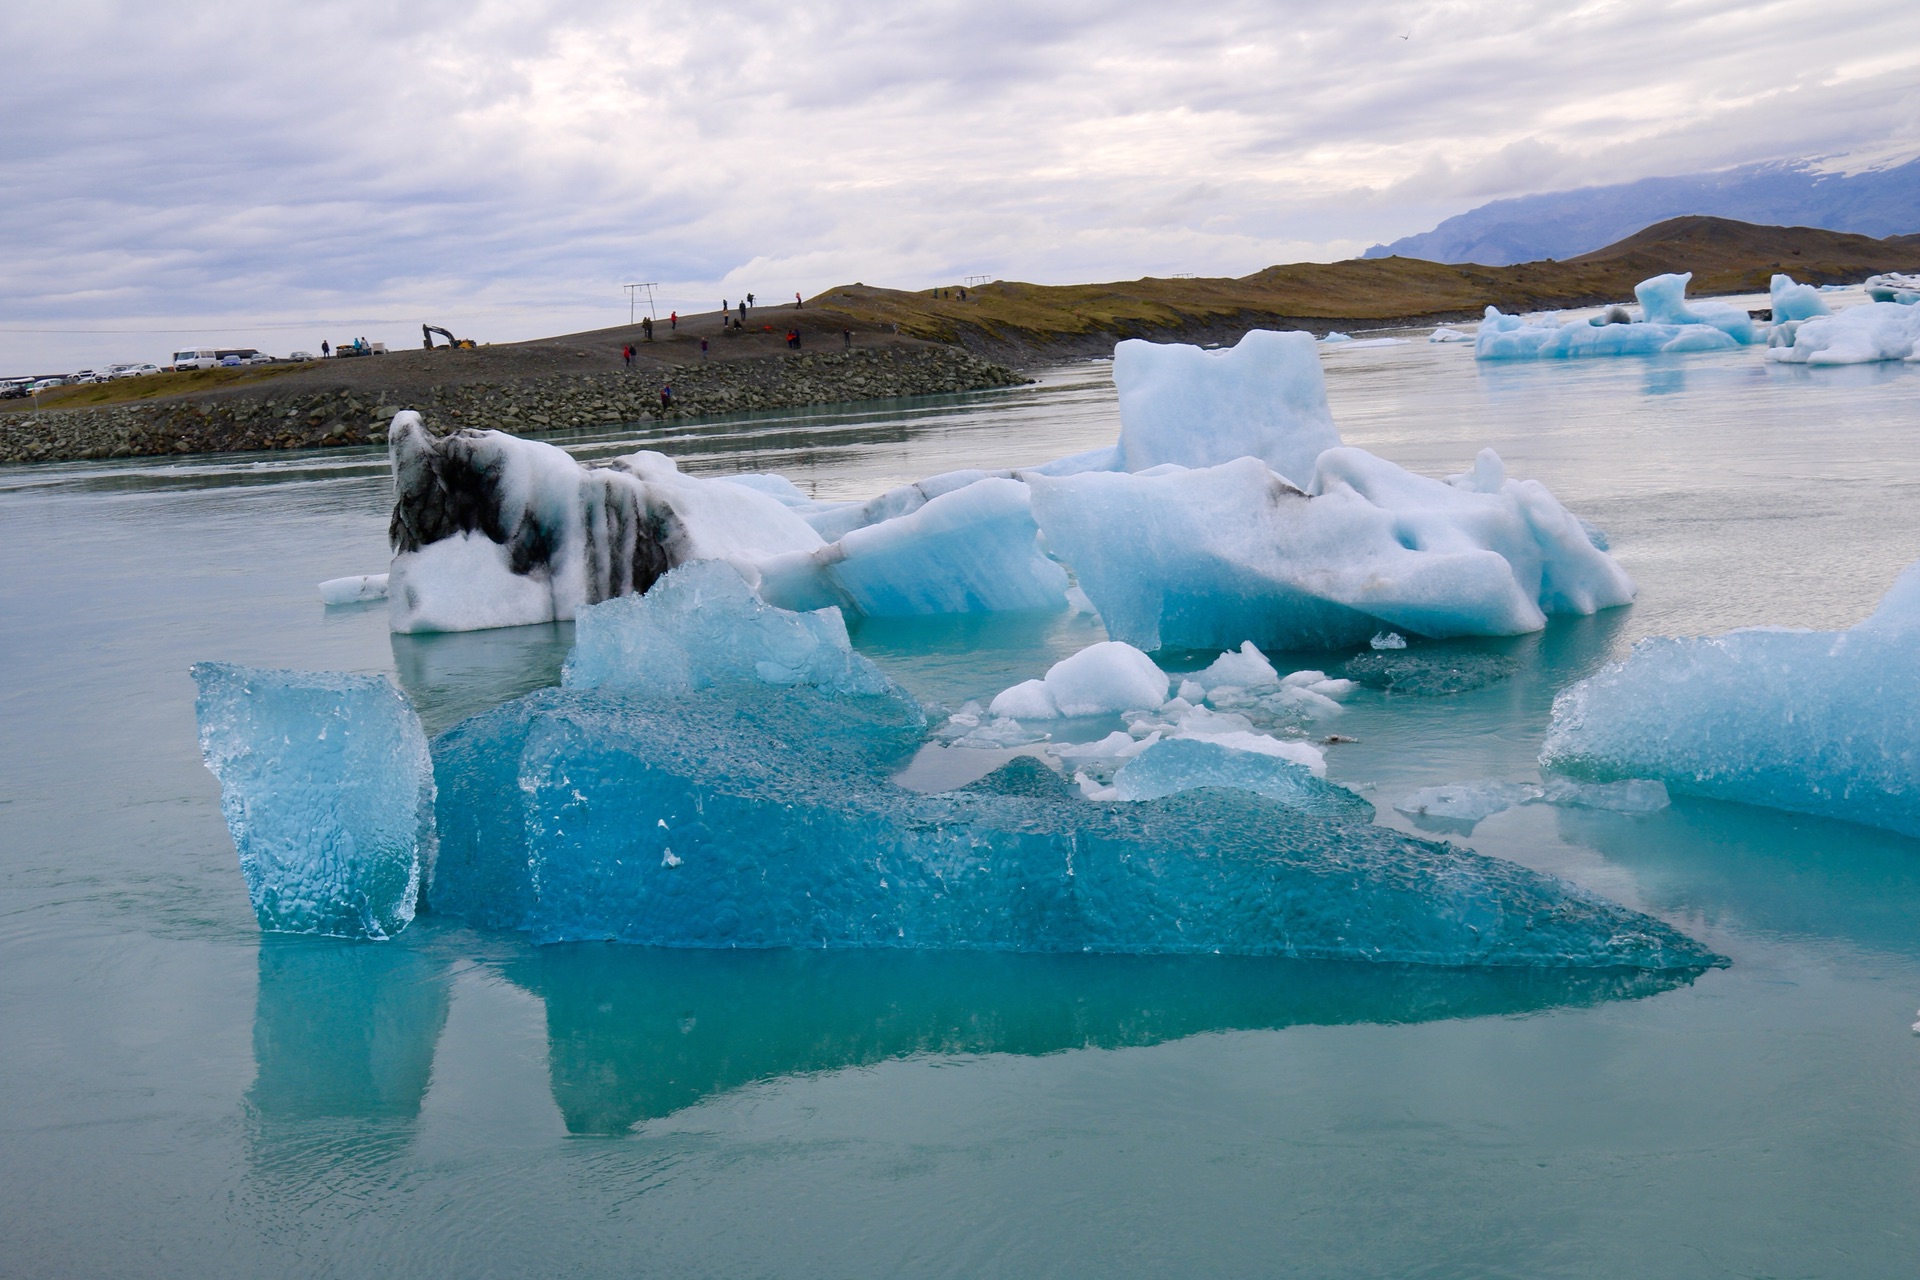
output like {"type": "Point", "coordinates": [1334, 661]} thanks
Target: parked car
{"type": "Point", "coordinates": [198, 358]}
{"type": "Point", "coordinates": [135, 370]}
{"type": "Point", "coordinates": [258, 357]}
{"type": "Point", "coordinates": [229, 362]}
{"type": "Point", "coordinates": [14, 388]}
{"type": "Point", "coordinates": [45, 384]}
{"type": "Point", "coordinates": [301, 355]}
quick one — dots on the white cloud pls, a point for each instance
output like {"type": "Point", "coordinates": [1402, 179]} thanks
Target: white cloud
{"type": "Point", "coordinates": [503, 166]}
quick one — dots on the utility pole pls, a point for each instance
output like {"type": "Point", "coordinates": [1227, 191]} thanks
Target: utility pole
{"type": "Point", "coordinates": [632, 290]}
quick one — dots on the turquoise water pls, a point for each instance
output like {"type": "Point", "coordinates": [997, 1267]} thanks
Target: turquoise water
{"type": "Point", "coordinates": [179, 1096]}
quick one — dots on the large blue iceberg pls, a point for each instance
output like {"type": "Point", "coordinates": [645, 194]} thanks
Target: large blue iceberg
{"type": "Point", "coordinates": [766, 817]}
{"type": "Point", "coordinates": [327, 789]}
{"type": "Point", "coordinates": [1822, 722]}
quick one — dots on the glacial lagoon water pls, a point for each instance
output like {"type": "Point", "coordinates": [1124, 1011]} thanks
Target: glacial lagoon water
{"type": "Point", "coordinates": [180, 1096]}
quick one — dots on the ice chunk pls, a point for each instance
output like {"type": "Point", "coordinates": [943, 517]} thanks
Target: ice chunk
{"type": "Point", "coordinates": [702, 625]}
{"type": "Point", "coordinates": [1795, 301]}
{"type": "Point", "coordinates": [1102, 679]}
{"type": "Point", "coordinates": [1891, 287]}
{"type": "Point", "coordinates": [1428, 672]}
{"type": "Point", "coordinates": [1466, 802]}
{"type": "Point", "coordinates": [352, 590]}
{"type": "Point", "coordinates": [1243, 762]}
{"type": "Point", "coordinates": [971, 549]}
{"type": "Point", "coordinates": [1859, 335]}
{"type": "Point", "coordinates": [1816, 722]}
{"type": "Point", "coordinates": [1213, 557]}
{"type": "Point", "coordinates": [1445, 334]}
{"type": "Point", "coordinates": [1387, 640]}
{"type": "Point", "coordinates": [1668, 324]}
{"type": "Point", "coordinates": [765, 817]}
{"type": "Point", "coordinates": [327, 789]}
{"type": "Point", "coordinates": [1264, 398]}
{"type": "Point", "coordinates": [1245, 667]}
{"type": "Point", "coordinates": [490, 530]}
{"type": "Point", "coordinates": [1334, 335]}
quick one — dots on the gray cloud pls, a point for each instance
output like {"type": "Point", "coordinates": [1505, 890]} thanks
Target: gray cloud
{"type": "Point", "coordinates": [503, 165]}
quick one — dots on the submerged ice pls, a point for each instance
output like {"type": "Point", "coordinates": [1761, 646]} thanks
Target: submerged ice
{"type": "Point", "coordinates": [1667, 323]}
{"type": "Point", "coordinates": [765, 817]}
{"type": "Point", "coordinates": [327, 790]}
{"type": "Point", "coordinates": [1820, 722]}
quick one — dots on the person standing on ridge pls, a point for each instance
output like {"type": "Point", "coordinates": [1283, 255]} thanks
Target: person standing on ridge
{"type": "Point", "coordinates": [666, 397]}
{"type": "Point", "coordinates": [724, 308]}
{"type": "Point", "coordinates": [673, 320]}
{"type": "Point", "coordinates": [646, 327]}
{"type": "Point", "coordinates": [749, 299]}
{"type": "Point", "coordinates": [847, 336]}
{"type": "Point", "coordinates": [325, 349]}
{"type": "Point", "coordinates": [796, 299]}
{"type": "Point", "coordinates": [743, 314]}
{"type": "Point", "coordinates": [703, 348]}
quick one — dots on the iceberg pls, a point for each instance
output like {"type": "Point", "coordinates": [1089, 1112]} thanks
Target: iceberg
{"type": "Point", "coordinates": [1211, 557]}
{"type": "Point", "coordinates": [490, 530]}
{"type": "Point", "coordinates": [1292, 773]}
{"type": "Point", "coordinates": [1865, 334]}
{"type": "Point", "coordinates": [1793, 301]}
{"type": "Point", "coordinates": [1894, 287]}
{"type": "Point", "coordinates": [972, 549]}
{"type": "Point", "coordinates": [354, 589]}
{"type": "Point", "coordinates": [1265, 397]}
{"type": "Point", "coordinates": [1669, 324]}
{"type": "Point", "coordinates": [764, 817]}
{"type": "Point", "coordinates": [1446, 334]}
{"type": "Point", "coordinates": [701, 626]}
{"type": "Point", "coordinates": [327, 790]}
{"type": "Point", "coordinates": [1819, 722]}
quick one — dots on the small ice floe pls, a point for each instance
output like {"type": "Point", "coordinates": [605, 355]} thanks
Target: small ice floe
{"type": "Point", "coordinates": [1463, 805]}
{"type": "Point", "coordinates": [1444, 334]}
{"type": "Point", "coordinates": [354, 589]}
{"type": "Point", "coordinates": [1389, 640]}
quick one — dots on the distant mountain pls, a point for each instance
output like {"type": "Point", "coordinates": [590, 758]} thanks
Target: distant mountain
{"type": "Point", "coordinates": [1877, 202]}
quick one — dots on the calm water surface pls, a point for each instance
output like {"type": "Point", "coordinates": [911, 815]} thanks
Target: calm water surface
{"type": "Point", "coordinates": [181, 1097]}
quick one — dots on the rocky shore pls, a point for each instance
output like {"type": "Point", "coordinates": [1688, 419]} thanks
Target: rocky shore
{"type": "Point", "coordinates": [305, 416]}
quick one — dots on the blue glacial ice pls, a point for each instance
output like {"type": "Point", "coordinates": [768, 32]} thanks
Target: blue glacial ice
{"type": "Point", "coordinates": [1462, 805]}
{"type": "Point", "coordinates": [764, 817]}
{"type": "Point", "coordinates": [702, 625]}
{"type": "Point", "coordinates": [1894, 287]}
{"type": "Point", "coordinates": [1821, 722]}
{"type": "Point", "coordinates": [1211, 557]}
{"type": "Point", "coordinates": [327, 789]}
{"type": "Point", "coordinates": [1264, 398]}
{"type": "Point", "coordinates": [1865, 334]}
{"type": "Point", "coordinates": [1792, 301]}
{"type": "Point", "coordinates": [1242, 762]}
{"type": "Point", "coordinates": [1668, 323]}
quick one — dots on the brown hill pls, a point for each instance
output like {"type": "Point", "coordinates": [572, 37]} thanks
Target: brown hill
{"type": "Point", "coordinates": [1028, 322]}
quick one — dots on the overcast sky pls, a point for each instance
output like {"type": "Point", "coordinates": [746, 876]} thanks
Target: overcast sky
{"type": "Point", "coordinates": [274, 173]}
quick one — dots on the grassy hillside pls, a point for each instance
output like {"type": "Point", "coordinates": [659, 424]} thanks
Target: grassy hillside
{"type": "Point", "coordinates": [1725, 257]}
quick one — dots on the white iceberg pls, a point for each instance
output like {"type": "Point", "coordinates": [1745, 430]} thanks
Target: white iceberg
{"type": "Point", "coordinates": [1207, 558]}
{"type": "Point", "coordinates": [1265, 398]}
{"type": "Point", "coordinates": [354, 589]}
{"type": "Point", "coordinates": [1446, 334]}
{"type": "Point", "coordinates": [1102, 679]}
{"type": "Point", "coordinates": [1821, 722]}
{"type": "Point", "coordinates": [1866, 334]}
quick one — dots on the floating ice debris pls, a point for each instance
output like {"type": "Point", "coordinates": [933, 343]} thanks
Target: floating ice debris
{"type": "Point", "coordinates": [1444, 334]}
{"type": "Point", "coordinates": [1265, 398]}
{"type": "Point", "coordinates": [1388, 640]}
{"type": "Point", "coordinates": [1468, 803]}
{"type": "Point", "coordinates": [558, 813]}
{"type": "Point", "coordinates": [1428, 672]}
{"type": "Point", "coordinates": [352, 590]}
{"type": "Point", "coordinates": [702, 625]}
{"type": "Point", "coordinates": [1865, 334]}
{"type": "Point", "coordinates": [1894, 287]}
{"type": "Point", "coordinates": [1102, 679]}
{"type": "Point", "coordinates": [1668, 324]}
{"type": "Point", "coordinates": [1818, 722]}
{"type": "Point", "coordinates": [1336, 336]}
{"type": "Point", "coordinates": [974, 729]}
{"type": "Point", "coordinates": [1208, 558]}
{"type": "Point", "coordinates": [327, 789]}
{"type": "Point", "coordinates": [1795, 301]}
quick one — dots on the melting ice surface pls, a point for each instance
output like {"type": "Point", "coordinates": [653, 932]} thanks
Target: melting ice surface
{"type": "Point", "coordinates": [327, 790]}
{"type": "Point", "coordinates": [1824, 722]}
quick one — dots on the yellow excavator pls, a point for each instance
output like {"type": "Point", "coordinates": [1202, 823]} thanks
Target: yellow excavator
{"type": "Point", "coordinates": [454, 344]}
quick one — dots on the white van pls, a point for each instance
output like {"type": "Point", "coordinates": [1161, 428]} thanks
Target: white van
{"type": "Point", "coordinates": [198, 358]}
